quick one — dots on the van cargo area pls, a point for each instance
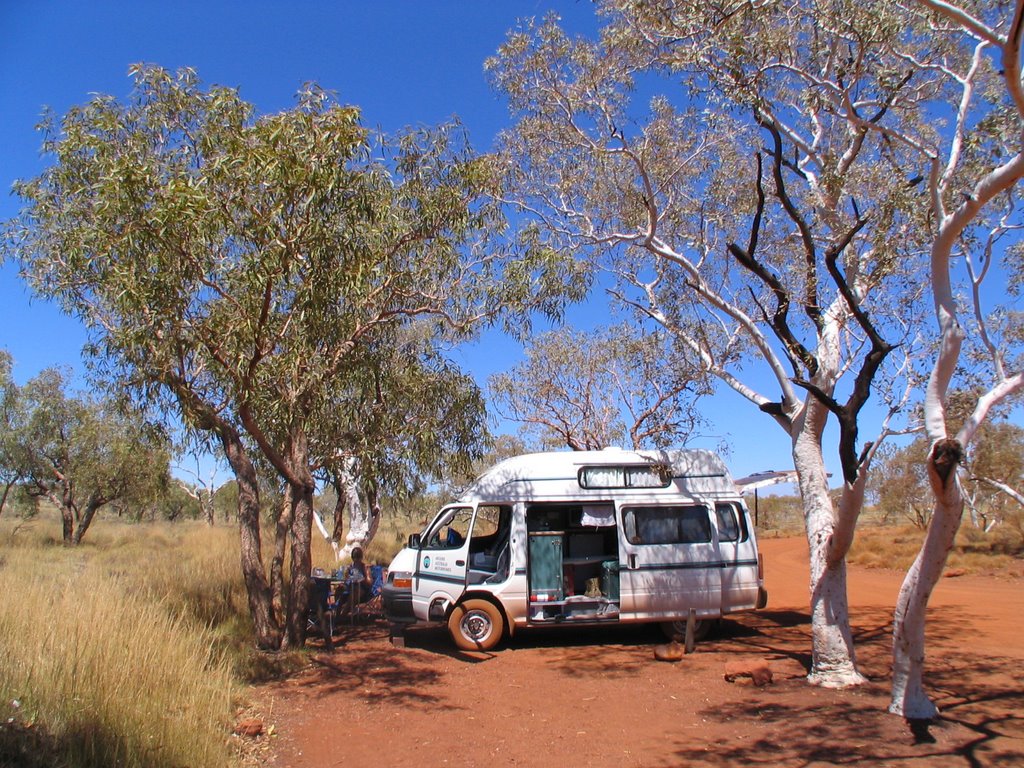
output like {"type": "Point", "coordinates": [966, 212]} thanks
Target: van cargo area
{"type": "Point", "coordinates": [573, 568]}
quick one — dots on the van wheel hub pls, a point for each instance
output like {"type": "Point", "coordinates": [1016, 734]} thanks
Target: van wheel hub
{"type": "Point", "coordinates": [476, 626]}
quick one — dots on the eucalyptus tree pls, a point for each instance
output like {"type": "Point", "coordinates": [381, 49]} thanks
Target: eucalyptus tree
{"type": "Point", "coordinates": [409, 419]}
{"type": "Point", "coordinates": [964, 127]}
{"type": "Point", "coordinates": [231, 265]}
{"type": "Point", "coordinates": [992, 469]}
{"type": "Point", "coordinates": [82, 455]}
{"type": "Point", "coordinates": [744, 213]}
{"type": "Point", "coordinates": [899, 482]}
{"type": "Point", "coordinates": [200, 489]}
{"type": "Point", "coordinates": [10, 419]}
{"type": "Point", "coordinates": [994, 486]}
{"type": "Point", "coordinates": [592, 390]}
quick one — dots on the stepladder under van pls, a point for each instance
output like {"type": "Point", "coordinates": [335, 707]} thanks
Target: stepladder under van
{"type": "Point", "coordinates": [581, 538]}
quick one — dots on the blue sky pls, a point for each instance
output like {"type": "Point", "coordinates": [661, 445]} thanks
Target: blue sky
{"type": "Point", "coordinates": [402, 62]}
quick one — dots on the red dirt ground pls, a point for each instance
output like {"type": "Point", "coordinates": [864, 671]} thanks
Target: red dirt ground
{"type": "Point", "coordinates": [599, 698]}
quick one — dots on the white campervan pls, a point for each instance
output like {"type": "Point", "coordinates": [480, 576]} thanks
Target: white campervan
{"type": "Point", "coordinates": [586, 537]}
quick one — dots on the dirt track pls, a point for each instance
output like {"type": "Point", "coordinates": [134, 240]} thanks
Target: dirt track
{"type": "Point", "coordinates": [598, 698]}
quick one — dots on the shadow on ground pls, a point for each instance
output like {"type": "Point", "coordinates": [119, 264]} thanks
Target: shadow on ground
{"type": "Point", "coordinates": [788, 723]}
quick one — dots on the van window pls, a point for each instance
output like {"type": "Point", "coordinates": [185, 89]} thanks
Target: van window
{"type": "Point", "coordinates": [450, 529]}
{"type": "Point", "coordinates": [667, 525]}
{"type": "Point", "coordinates": [488, 519]}
{"type": "Point", "coordinates": [731, 522]}
{"type": "Point", "coordinates": [641, 476]}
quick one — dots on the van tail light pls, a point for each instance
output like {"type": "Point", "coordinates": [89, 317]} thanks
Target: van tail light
{"type": "Point", "coordinates": [760, 567]}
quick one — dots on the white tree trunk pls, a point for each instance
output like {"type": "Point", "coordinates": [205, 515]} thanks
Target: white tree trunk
{"type": "Point", "coordinates": [363, 517]}
{"type": "Point", "coordinates": [833, 660]}
{"type": "Point", "coordinates": [908, 638]}
{"type": "Point", "coordinates": [327, 535]}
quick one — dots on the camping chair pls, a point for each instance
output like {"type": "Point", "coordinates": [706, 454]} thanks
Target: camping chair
{"type": "Point", "coordinates": [320, 616]}
{"type": "Point", "coordinates": [371, 605]}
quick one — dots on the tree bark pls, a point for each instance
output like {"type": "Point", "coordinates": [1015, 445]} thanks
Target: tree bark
{"type": "Point", "coordinates": [282, 529]}
{"type": "Point", "coordinates": [301, 535]}
{"type": "Point", "coordinates": [833, 659]}
{"type": "Point", "coordinates": [265, 625]}
{"type": "Point", "coordinates": [67, 516]}
{"type": "Point", "coordinates": [7, 492]}
{"type": "Point", "coordinates": [208, 506]}
{"type": "Point", "coordinates": [85, 520]}
{"type": "Point", "coordinates": [301, 566]}
{"type": "Point", "coordinates": [908, 637]}
{"type": "Point", "coordinates": [339, 518]}
{"type": "Point", "coordinates": [363, 513]}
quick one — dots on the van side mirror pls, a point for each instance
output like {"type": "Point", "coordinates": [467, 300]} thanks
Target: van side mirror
{"type": "Point", "coordinates": [414, 541]}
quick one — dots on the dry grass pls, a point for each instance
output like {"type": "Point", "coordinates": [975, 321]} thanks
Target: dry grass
{"type": "Point", "coordinates": [128, 649]}
{"type": "Point", "coordinates": [110, 676]}
{"type": "Point", "coordinates": [879, 544]}
{"type": "Point", "coordinates": [104, 669]}
{"type": "Point", "coordinates": [895, 547]}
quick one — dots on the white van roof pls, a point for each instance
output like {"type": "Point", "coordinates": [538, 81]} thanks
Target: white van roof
{"type": "Point", "coordinates": [556, 475]}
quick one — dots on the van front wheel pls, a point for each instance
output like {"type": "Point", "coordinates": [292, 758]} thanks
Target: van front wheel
{"type": "Point", "coordinates": [476, 625]}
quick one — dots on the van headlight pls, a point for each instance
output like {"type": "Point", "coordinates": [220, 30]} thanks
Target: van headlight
{"type": "Point", "coordinates": [401, 580]}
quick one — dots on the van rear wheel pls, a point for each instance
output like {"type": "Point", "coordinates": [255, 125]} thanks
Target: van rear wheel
{"type": "Point", "coordinates": [476, 625]}
{"type": "Point", "coordinates": [677, 629]}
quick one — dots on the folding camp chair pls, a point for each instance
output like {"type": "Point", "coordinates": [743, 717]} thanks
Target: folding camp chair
{"type": "Point", "coordinates": [371, 606]}
{"type": "Point", "coordinates": [320, 617]}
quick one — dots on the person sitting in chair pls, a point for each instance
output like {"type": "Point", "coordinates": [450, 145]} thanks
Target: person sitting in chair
{"type": "Point", "coordinates": [357, 582]}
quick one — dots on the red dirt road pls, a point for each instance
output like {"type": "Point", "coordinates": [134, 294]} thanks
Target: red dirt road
{"type": "Point", "coordinates": [599, 698]}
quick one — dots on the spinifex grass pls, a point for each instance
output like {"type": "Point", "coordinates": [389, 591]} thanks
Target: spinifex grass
{"type": "Point", "coordinates": [102, 665]}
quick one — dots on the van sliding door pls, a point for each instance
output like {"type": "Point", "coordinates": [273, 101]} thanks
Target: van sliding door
{"type": "Point", "coordinates": [670, 561]}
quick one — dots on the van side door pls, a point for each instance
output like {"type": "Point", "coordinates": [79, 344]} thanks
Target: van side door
{"type": "Point", "coordinates": [670, 561]}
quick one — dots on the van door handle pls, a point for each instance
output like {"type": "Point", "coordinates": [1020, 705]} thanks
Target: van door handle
{"type": "Point", "coordinates": [460, 562]}
{"type": "Point", "coordinates": [632, 562]}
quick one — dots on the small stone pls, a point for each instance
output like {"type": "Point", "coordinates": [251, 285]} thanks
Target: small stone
{"type": "Point", "coordinates": [251, 726]}
{"type": "Point", "coordinates": [746, 673]}
{"type": "Point", "coordinates": [672, 651]}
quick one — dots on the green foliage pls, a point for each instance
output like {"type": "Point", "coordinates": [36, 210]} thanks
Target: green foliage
{"type": "Point", "coordinates": [11, 415]}
{"type": "Point", "coordinates": [900, 484]}
{"type": "Point", "coordinates": [81, 454]}
{"type": "Point", "coordinates": [261, 266]}
{"type": "Point", "coordinates": [777, 514]}
{"type": "Point", "coordinates": [175, 504]}
{"type": "Point", "coordinates": [410, 416]}
{"type": "Point", "coordinates": [225, 501]}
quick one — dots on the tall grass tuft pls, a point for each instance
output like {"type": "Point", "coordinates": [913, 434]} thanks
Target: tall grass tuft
{"type": "Point", "coordinates": [103, 665]}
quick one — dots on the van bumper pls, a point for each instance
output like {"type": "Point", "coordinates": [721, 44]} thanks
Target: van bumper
{"type": "Point", "coordinates": [762, 597]}
{"type": "Point", "coordinates": [397, 604]}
